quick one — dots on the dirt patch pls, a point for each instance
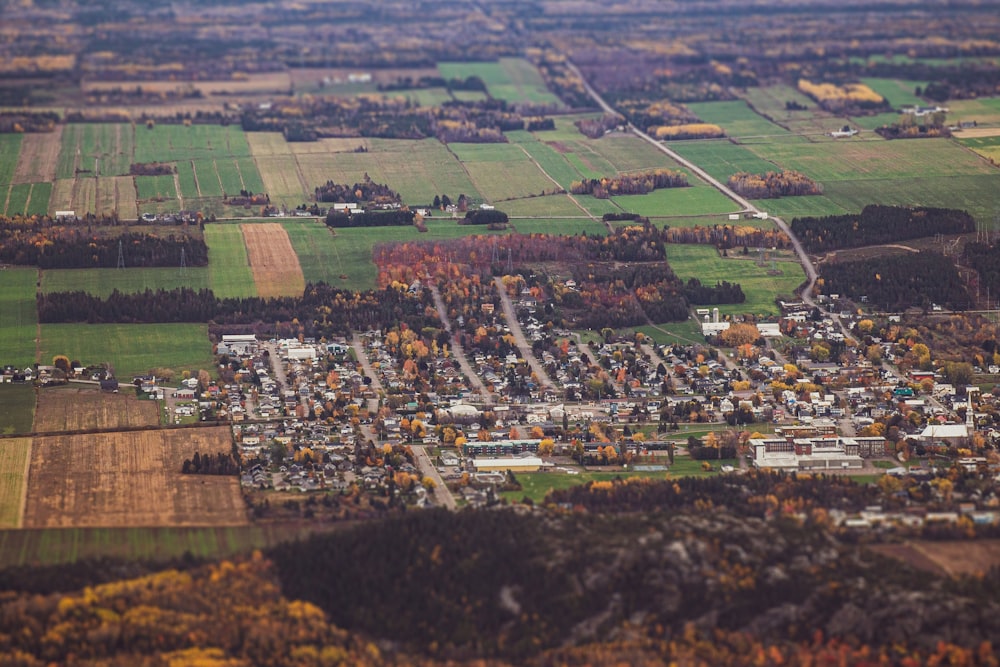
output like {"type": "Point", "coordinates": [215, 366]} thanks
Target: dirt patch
{"type": "Point", "coordinates": [275, 266]}
{"type": "Point", "coordinates": [38, 158]}
{"type": "Point", "coordinates": [954, 557]}
{"type": "Point", "coordinates": [130, 479]}
{"type": "Point", "coordinates": [72, 409]}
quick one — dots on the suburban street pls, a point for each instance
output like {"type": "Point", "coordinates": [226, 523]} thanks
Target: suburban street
{"type": "Point", "coordinates": [442, 496]}
{"type": "Point", "coordinates": [456, 348]}
{"type": "Point", "coordinates": [518, 334]}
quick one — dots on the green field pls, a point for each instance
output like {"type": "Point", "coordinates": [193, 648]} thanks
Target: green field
{"type": "Point", "coordinates": [510, 79]}
{"type": "Point", "coordinates": [721, 158]}
{"type": "Point", "coordinates": [10, 147]}
{"type": "Point", "coordinates": [68, 545]}
{"type": "Point", "coordinates": [171, 143]}
{"type": "Point", "coordinates": [95, 149]}
{"type": "Point", "coordinates": [684, 333]}
{"type": "Point", "coordinates": [156, 187]}
{"type": "Point", "coordinates": [988, 147]}
{"type": "Point", "coordinates": [502, 171]}
{"type": "Point", "coordinates": [229, 272]}
{"type": "Point", "coordinates": [318, 252]}
{"type": "Point", "coordinates": [741, 122]}
{"type": "Point", "coordinates": [553, 163]}
{"type": "Point", "coordinates": [18, 316]}
{"type": "Point", "coordinates": [983, 110]}
{"type": "Point", "coordinates": [208, 182]}
{"type": "Point", "coordinates": [705, 264]}
{"type": "Point", "coordinates": [101, 282]}
{"type": "Point", "coordinates": [697, 200]}
{"type": "Point", "coordinates": [17, 408]}
{"type": "Point", "coordinates": [559, 226]}
{"type": "Point", "coordinates": [898, 93]}
{"type": "Point", "coordinates": [186, 178]}
{"type": "Point", "coordinates": [132, 349]}
{"type": "Point", "coordinates": [556, 206]}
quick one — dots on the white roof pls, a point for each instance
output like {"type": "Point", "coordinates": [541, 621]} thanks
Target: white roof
{"type": "Point", "coordinates": [932, 431]}
{"type": "Point", "coordinates": [510, 462]}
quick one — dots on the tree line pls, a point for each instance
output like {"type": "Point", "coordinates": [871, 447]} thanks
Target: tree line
{"type": "Point", "coordinates": [74, 248]}
{"type": "Point", "coordinates": [630, 184]}
{"type": "Point", "coordinates": [878, 224]}
{"type": "Point", "coordinates": [772, 184]}
{"type": "Point", "coordinates": [359, 193]}
{"type": "Point", "coordinates": [222, 463]}
{"type": "Point", "coordinates": [396, 218]}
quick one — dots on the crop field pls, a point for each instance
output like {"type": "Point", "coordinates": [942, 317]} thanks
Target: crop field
{"type": "Point", "coordinates": [10, 148]}
{"type": "Point", "coordinates": [273, 261]}
{"type": "Point", "coordinates": [39, 155]}
{"type": "Point", "coordinates": [741, 122]}
{"type": "Point", "coordinates": [556, 206]}
{"type": "Point", "coordinates": [706, 221]}
{"type": "Point", "coordinates": [897, 92]}
{"type": "Point", "coordinates": [806, 206]}
{"type": "Point", "coordinates": [132, 349]}
{"type": "Point", "coordinates": [984, 110]}
{"type": "Point", "coordinates": [988, 146]}
{"type": "Point", "coordinates": [130, 479]}
{"type": "Point", "coordinates": [52, 546]}
{"type": "Point", "coordinates": [155, 188]}
{"type": "Point", "coordinates": [721, 159]}
{"type": "Point", "coordinates": [318, 252]}
{"type": "Point", "coordinates": [551, 161]}
{"type": "Point", "coordinates": [15, 454]}
{"type": "Point", "coordinates": [18, 408]}
{"type": "Point", "coordinates": [705, 264]}
{"type": "Point", "coordinates": [697, 200]}
{"type": "Point", "coordinates": [101, 282]}
{"type": "Point", "coordinates": [769, 101]}
{"type": "Point", "coordinates": [871, 123]}
{"type": "Point", "coordinates": [502, 171]}
{"type": "Point", "coordinates": [18, 316]}
{"type": "Point", "coordinates": [229, 273]}
{"type": "Point", "coordinates": [510, 79]}
{"type": "Point", "coordinates": [95, 149]}
{"type": "Point", "coordinates": [171, 143]}
{"type": "Point", "coordinates": [70, 408]}
{"type": "Point", "coordinates": [563, 226]}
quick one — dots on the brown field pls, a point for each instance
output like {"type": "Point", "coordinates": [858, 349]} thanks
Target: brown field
{"type": "Point", "coordinates": [969, 133]}
{"type": "Point", "coordinates": [62, 195]}
{"type": "Point", "coordinates": [39, 154]}
{"type": "Point", "coordinates": [275, 266]}
{"type": "Point", "coordinates": [15, 454]}
{"type": "Point", "coordinates": [84, 194]}
{"type": "Point", "coordinates": [72, 409]}
{"type": "Point", "coordinates": [254, 83]}
{"type": "Point", "coordinates": [955, 557]}
{"type": "Point", "coordinates": [130, 479]}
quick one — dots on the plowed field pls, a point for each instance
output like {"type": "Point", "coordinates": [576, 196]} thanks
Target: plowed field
{"type": "Point", "coordinates": [275, 266]}
{"type": "Point", "coordinates": [71, 409]}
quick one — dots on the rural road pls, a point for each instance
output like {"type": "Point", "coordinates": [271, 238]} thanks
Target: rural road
{"type": "Point", "coordinates": [518, 334]}
{"type": "Point", "coordinates": [456, 347]}
{"type": "Point", "coordinates": [442, 496]}
{"type": "Point", "coordinates": [811, 274]}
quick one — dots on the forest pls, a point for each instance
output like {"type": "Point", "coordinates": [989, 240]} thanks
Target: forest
{"type": "Point", "coordinates": [899, 282]}
{"type": "Point", "coordinates": [75, 248]}
{"type": "Point", "coordinates": [878, 224]}
{"type": "Point", "coordinates": [365, 192]}
{"type": "Point", "coordinates": [984, 259]}
{"type": "Point", "coordinates": [784, 183]}
{"type": "Point", "coordinates": [397, 218]}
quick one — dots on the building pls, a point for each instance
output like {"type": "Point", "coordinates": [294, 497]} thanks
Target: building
{"type": "Point", "coordinates": [810, 454]}
{"type": "Point", "coordinates": [952, 434]}
{"type": "Point", "coordinates": [516, 464]}
{"type": "Point", "coordinates": [242, 345]}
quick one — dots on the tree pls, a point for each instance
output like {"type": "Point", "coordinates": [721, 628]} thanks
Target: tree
{"type": "Point", "coordinates": [740, 333]}
{"type": "Point", "coordinates": [546, 447]}
{"type": "Point", "coordinates": [61, 362]}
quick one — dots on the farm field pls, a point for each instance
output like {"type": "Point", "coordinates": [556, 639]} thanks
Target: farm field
{"type": "Point", "coordinates": [551, 161]}
{"type": "Point", "coordinates": [563, 226]}
{"type": "Point", "coordinates": [556, 206]}
{"type": "Point", "coordinates": [705, 264]}
{"type": "Point", "coordinates": [700, 199]}
{"type": "Point", "coordinates": [39, 154]}
{"type": "Point", "coordinates": [18, 316]}
{"type": "Point", "coordinates": [502, 171]}
{"type": "Point", "coordinates": [27, 198]}
{"type": "Point", "coordinates": [170, 143]}
{"type": "Point", "coordinates": [70, 408]}
{"type": "Point", "coordinates": [15, 453]}
{"type": "Point", "coordinates": [770, 102]}
{"type": "Point", "coordinates": [229, 272]}
{"type": "Point", "coordinates": [17, 408]}
{"type": "Point", "coordinates": [721, 158]}
{"type": "Point", "coordinates": [988, 147]}
{"type": "Point", "coordinates": [52, 546]}
{"type": "Point", "coordinates": [273, 261]}
{"type": "Point", "coordinates": [130, 479]}
{"type": "Point", "coordinates": [984, 110]}
{"type": "Point", "coordinates": [317, 250]}
{"type": "Point", "coordinates": [741, 122]}
{"type": "Point", "coordinates": [510, 79]}
{"type": "Point", "coordinates": [155, 188]}
{"type": "Point", "coordinates": [871, 123]}
{"type": "Point", "coordinates": [10, 148]}
{"type": "Point", "coordinates": [947, 557]}
{"type": "Point", "coordinates": [899, 93]}
{"type": "Point", "coordinates": [132, 349]}
{"type": "Point", "coordinates": [95, 149]}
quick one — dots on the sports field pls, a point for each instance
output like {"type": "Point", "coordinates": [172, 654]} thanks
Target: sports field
{"type": "Point", "coordinates": [759, 286]}
{"type": "Point", "coordinates": [18, 316]}
{"type": "Point", "coordinates": [131, 349]}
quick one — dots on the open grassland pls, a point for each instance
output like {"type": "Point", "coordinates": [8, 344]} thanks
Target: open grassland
{"type": "Point", "coordinates": [897, 92]}
{"type": "Point", "coordinates": [984, 110]}
{"type": "Point", "coordinates": [510, 79]}
{"type": "Point", "coordinates": [919, 172]}
{"type": "Point", "coordinates": [132, 349]}
{"type": "Point", "coordinates": [273, 261]}
{"type": "Point", "coordinates": [721, 158]}
{"type": "Point", "coordinates": [556, 206]}
{"type": "Point", "coordinates": [552, 162]}
{"type": "Point", "coordinates": [987, 146]}
{"type": "Point", "coordinates": [15, 454]}
{"type": "Point", "coordinates": [155, 188]}
{"type": "Point", "coordinates": [761, 288]}
{"type": "Point", "coordinates": [741, 122]}
{"type": "Point", "coordinates": [563, 226]}
{"type": "Point", "coordinates": [317, 251]}
{"type": "Point", "coordinates": [26, 198]}
{"type": "Point", "coordinates": [10, 148]}
{"type": "Point", "coordinates": [101, 282]}
{"type": "Point", "coordinates": [700, 199]}
{"type": "Point", "coordinates": [229, 273]}
{"type": "Point", "coordinates": [17, 408]}
{"type": "Point", "coordinates": [502, 171]}
{"type": "Point", "coordinates": [130, 479]}
{"type": "Point", "coordinates": [52, 546]}
{"type": "Point", "coordinates": [670, 333]}
{"type": "Point", "coordinates": [18, 316]}
{"type": "Point", "coordinates": [71, 408]}
{"type": "Point", "coordinates": [95, 149]}
{"type": "Point", "coordinates": [38, 157]}
{"type": "Point", "coordinates": [770, 102]}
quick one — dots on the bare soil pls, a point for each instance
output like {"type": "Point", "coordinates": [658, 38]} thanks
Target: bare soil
{"type": "Point", "coordinates": [275, 266]}
{"type": "Point", "coordinates": [73, 409]}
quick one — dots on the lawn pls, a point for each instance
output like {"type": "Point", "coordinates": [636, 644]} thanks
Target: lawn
{"type": "Point", "coordinates": [18, 316]}
{"type": "Point", "coordinates": [17, 408]}
{"type": "Point", "coordinates": [510, 79]}
{"type": "Point", "coordinates": [761, 288]}
{"type": "Point", "coordinates": [101, 282]}
{"type": "Point", "coordinates": [132, 349]}
{"type": "Point", "coordinates": [229, 272]}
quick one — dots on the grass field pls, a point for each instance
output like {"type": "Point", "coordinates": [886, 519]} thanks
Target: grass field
{"type": "Point", "coordinates": [52, 546]}
{"type": "Point", "coordinates": [741, 122]}
{"type": "Point", "coordinates": [510, 79]}
{"type": "Point", "coordinates": [18, 316]}
{"type": "Point", "coordinates": [96, 149]}
{"type": "Point", "coordinates": [317, 250]}
{"type": "Point", "coordinates": [760, 288]}
{"type": "Point", "coordinates": [155, 187]}
{"type": "Point", "coordinates": [555, 206]}
{"type": "Point", "coordinates": [132, 349]}
{"type": "Point", "coordinates": [552, 162]}
{"type": "Point", "coordinates": [988, 147]}
{"type": "Point", "coordinates": [559, 226]}
{"type": "Point", "coordinates": [984, 110]}
{"type": "Point", "coordinates": [721, 159]}
{"type": "Point", "coordinates": [684, 333]}
{"type": "Point", "coordinates": [502, 171]}
{"type": "Point", "coordinates": [897, 92]}
{"type": "Point", "coordinates": [229, 272]}
{"type": "Point", "coordinates": [101, 282]}
{"type": "Point", "coordinates": [10, 147]}
{"type": "Point", "coordinates": [170, 143]}
{"type": "Point", "coordinates": [697, 200]}
{"type": "Point", "coordinates": [130, 479]}
{"type": "Point", "coordinates": [14, 456]}
{"type": "Point", "coordinates": [72, 408]}
{"type": "Point", "coordinates": [17, 408]}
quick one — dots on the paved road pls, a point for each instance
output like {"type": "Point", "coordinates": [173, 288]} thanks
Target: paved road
{"type": "Point", "coordinates": [366, 366]}
{"type": "Point", "coordinates": [277, 365]}
{"type": "Point", "coordinates": [456, 348]}
{"type": "Point", "coordinates": [442, 496]}
{"type": "Point", "coordinates": [518, 334]}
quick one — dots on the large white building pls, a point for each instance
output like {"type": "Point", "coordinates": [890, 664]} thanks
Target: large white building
{"type": "Point", "coordinates": [814, 454]}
